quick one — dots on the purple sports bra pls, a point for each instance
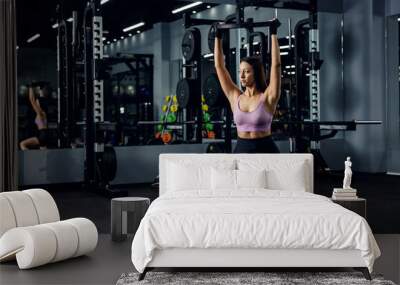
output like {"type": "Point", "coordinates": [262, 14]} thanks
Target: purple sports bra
{"type": "Point", "coordinates": [255, 121]}
{"type": "Point", "coordinates": [41, 123]}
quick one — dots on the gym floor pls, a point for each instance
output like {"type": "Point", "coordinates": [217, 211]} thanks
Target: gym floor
{"type": "Point", "coordinates": [110, 259]}
{"type": "Point", "coordinates": [106, 264]}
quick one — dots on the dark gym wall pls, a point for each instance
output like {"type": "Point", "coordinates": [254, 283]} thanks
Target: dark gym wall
{"type": "Point", "coordinates": [331, 84]}
{"type": "Point", "coordinates": [360, 95]}
{"type": "Point", "coordinates": [364, 82]}
{"type": "Point", "coordinates": [393, 93]}
{"type": "Point", "coordinates": [37, 64]}
{"type": "Point", "coordinates": [34, 64]}
{"type": "Point", "coordinates": [368, 65]}
{"type": "Point", "coordinates": [142, 43]}
{"type": "Point", "coordinates": [165, 39]}
{"type": "Point", "coordinates": [392, 7]}
{"type": "Point", "coordinates": [161, 44]}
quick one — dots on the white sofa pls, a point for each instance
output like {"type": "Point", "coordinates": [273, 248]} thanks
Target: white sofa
{"type": "Point", "coordinates": [292, 173]}
{"type": "Point", "coordinates": [31, 231]}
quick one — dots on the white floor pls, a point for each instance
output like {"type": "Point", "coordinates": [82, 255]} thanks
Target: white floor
{"type": "Point", "coordinates": [111, 259]}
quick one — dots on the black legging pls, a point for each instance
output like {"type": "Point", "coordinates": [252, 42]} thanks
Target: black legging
{"type": "Point", "coordinates": [260, 145]}
{"type": "Point", "coordinates": [42, 137]}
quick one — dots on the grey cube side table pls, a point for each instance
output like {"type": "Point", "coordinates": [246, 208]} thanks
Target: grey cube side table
{"type": "Point", "coordinates": [126, 214]}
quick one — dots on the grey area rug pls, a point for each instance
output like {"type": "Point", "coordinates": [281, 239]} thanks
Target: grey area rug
{"type": "Point", "coordinates": [243, 278]}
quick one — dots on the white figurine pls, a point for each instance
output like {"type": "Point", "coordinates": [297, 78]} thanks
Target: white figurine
{"type": "Point", "coordinates": [347, 174]}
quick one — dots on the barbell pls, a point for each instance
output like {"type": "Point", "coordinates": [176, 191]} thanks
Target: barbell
{"type": "Point", "coordinates": [211, 39]}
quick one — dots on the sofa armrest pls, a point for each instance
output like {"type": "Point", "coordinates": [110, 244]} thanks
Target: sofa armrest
{"type": "Point", "coordinates": [41, 244]}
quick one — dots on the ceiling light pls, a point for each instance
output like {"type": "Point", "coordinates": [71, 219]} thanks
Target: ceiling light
{"type": "Point", "coordinates": [194, 12]}
{"type": "Point", "coordinates": [138, 32]}
{"type": "Point", "coordinates": [31, 39]}
{"type": "Point", "coordinates": [130, 35]}
{"type": "Point", "coordinates": [187, 7]}
{"type": "Point", "coordinates": [104, 38]}
{"type": "Point", "coordinates": [122, 37]}
{"type": "Point", "coordinates": [208, 55]}
{"type": "Point", "coordinates": [208, 6]}
{"type": "Point", "coordinates": [284, 53]}
{"type": "Point", "coordinates": [108, 42]}
{"type": "Point", "coordinates": [55, 26]}
{"type": "Point", "coordinates": [103, 2]}
{"type": "Point", "coordinates": [70, 19]}
{"type": "Point", "coordinates": [114, 40]}
{"type": "Point", "coordinates": [133, 27]}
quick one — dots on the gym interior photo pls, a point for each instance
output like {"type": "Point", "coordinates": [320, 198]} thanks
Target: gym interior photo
{"type": "Point", "coordinates": [200, 142]}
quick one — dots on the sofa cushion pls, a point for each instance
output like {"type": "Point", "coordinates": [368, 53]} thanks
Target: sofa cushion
{"type": "Point", "coordinates": [45, 243]}
{"type": "Point", "coordinates": [45, 205]}
{"type": "Point", "coordinates": [23, 208]}
{"type": "Point", "coordinates": [30, 230]}
{"type": "Point", "coordinates": [7, 218]}
{"type": "Point", "coordinates": [26, 208]}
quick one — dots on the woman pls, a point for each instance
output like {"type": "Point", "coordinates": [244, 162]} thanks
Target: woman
{"type": "Point", "coordinates": [41, 122]}
{"type": "Point", "coordinates": [254, 108]}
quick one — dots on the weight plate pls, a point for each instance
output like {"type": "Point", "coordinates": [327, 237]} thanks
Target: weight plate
{"type": "Point", "coordinates": [183, 92]}
{"type": "Point", "coordinates": [212, 90]}
{"type": "Point", "coordinates": [209, 127]}
{"type": "Point", "coordinates": [171, 118]}
{"type": "Point", "coordinates": [166, 137]}
{"type": "Point", "coordinates": [191, 44]}
{"type": "Point", "coordinates": [206, 117]}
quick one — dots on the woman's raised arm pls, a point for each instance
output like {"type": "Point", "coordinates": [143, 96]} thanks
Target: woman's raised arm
{"type": "Point", "coordinates": [274, 89]}
{"type": "Point", "coordinates": [229, 88]}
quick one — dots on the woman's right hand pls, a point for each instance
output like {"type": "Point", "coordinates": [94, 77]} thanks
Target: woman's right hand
{"type": "Point", "coordinates": [275, 23]}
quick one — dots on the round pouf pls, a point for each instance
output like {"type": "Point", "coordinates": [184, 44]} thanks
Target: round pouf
{"type": "Point", "coordinates": [126, 214]}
